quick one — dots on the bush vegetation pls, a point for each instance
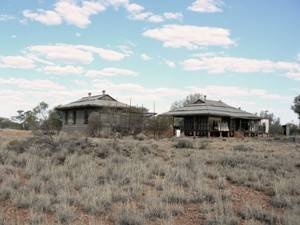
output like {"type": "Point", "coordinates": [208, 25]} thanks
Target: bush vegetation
{"type": "Point", "coordinates": [126, 181]}
{"type": "Point", "coordinates": [184, 143]}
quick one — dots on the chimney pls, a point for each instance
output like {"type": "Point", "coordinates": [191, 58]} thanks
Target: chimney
{"type": "Point", "coordinates": [89, 94]}
{"type": "Point", "coordinates": [204, 97]}
{"type": "Point", "coordinates": [103, 92]}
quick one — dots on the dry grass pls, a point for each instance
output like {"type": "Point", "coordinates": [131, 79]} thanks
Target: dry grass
{"type": "Point", "coordinates": [137, 181]}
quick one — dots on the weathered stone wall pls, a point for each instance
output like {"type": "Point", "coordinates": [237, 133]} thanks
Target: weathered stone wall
{"type": "Point", "coordinates": [112, 120]}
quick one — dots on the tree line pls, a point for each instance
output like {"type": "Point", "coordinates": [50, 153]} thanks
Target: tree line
{"type": "Point", "coordinates": [39, 118]}
{"type": "Point", "coordinates": [43, 118]}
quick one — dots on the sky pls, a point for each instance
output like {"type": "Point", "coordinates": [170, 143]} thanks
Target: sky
{"type": "Point", "coordinates": [152, 53]}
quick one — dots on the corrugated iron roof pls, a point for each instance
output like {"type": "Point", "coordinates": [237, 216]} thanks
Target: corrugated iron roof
{"type": "Point", "coordinates": [94, 101]}
{"type": "Point", "coordinates": [210, 107]}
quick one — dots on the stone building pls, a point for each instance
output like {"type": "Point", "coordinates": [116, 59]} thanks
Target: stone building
{"type": "Point", "coordinates": [114, 116]}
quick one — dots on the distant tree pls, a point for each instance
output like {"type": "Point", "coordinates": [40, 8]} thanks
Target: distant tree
{"type": "Point", "coordinates": [7, 123]}
{"type": "Point", "coordinates": [27, 119]}
{"type": "Point", "coordinates": [39, 118]}
{"type": "Point", "coordinates": [41, 112]}
{"type": "Point", "coordinates": [53, 121]}
{"type": "Point", "coordinates": [159, 124]}
{"type": "Point", "coordinates": [275, 126]}
{"type": "Point", "coordinates": [136, 116]}
{"type": "Point", "coordinates": [267, 115]}
{"type": "Point", "coordinates": [296, 106]}
{"type": "Point", "coordinates": [188, 100]}
{"type": "Point", "coordinates": [294, 129]}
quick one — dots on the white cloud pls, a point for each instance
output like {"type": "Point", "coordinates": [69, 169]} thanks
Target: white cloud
{"type": "Point", "coordinates": [25, 94]}
{"type": "Point", "coordinates": [17, 62]}
{"type": "Point", "coordinates": [78, 34]}
{"type": "Point", "coordinates": [134, 8]}
{"type": "Point", "coordinates": [173, 16]}
{"type": "Point", "coordinates": [145, 57]}
{"type": "Point", "coordinates": [191, 37]}
{"type": "Point", "coordinates": [68, 11]}
{"type": "Point", "coordinates": [13, 36]}
{"type": "Point", "coordinates": [51, 55]}
{"type": "Point", "coordinates": [63, 69]}
{"type": "Point", "coordinates": [223, 64]}
{"type": "Point", "coordinates": [298, 57]}
{"type": "Point", "coordinates": [294, 75]}
{"type": "Point", "coordinates": [155, 19]}
{"type": "Point", "coordinates": [251, 100]}
{"type": "Point", "coordinates": [32, 84]}
{"type": "Point", "coordinates": [110, 72]}
{"type": "Point", "coordinates": [37, 59]}
{"type": "Point", "coordinates": [47, 17]}
{"type": "Point", "coordinates": [74, 53]}
{"type": "Point", "coordinates": [140, 16]}
{"type": "Point", "coordinates": [170, 63]}
{"type": "Point", "coordinates": [78, 15]}
{"type": "Point", "coordinates": [138, 12]}
{"type": "Point", "coordinates": [62, 52]}
{"type": "Point", "coordinates": [107, 54]}
{"type": "Point", "coordinates": [5, 17]}
{"type": "Point", "coordinates": [206, 6]}
{"type": "Point", "coordinates": [117, 3]}
{"type": "Point", "coordinates": [126, 49]}
{"type": "Point", "coordinates": [232, 91]}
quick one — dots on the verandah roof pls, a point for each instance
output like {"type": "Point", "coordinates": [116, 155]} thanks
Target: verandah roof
{"type": "Point", "coordinates": [213, 108]}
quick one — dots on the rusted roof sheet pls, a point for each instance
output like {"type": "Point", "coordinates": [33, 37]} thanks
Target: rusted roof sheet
{"type": "Point", "coordinates": [210, 107]}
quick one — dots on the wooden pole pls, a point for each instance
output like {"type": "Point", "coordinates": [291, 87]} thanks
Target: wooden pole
{"type": "Point", "coordinates": [129, 119]}
{"type": "Point", "coordinates": [143, 119]}
{"type": "Point", "coordinates": [174, 132]}
{"type": "Point", "coordinates": [154, 130]}
{"type": "Point", "coordinates": [194, 126]}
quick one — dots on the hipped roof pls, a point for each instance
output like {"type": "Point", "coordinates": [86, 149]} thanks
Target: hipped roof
{"type": "Point", "coordinates": [212, 108]}
{"type": "Point", "coordinates": [104, 100]}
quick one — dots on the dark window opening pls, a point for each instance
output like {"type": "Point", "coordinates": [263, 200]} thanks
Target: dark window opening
{"type": "Point", "coordinates": [66, 117]}
{"type": "Point", "coordinates": [74, 117]}
{"type": "Point", "coordinates": [86, 117]}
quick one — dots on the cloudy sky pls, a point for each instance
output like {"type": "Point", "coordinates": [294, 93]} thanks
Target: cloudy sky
{"type": "Point", "coordinates": [246, 53]}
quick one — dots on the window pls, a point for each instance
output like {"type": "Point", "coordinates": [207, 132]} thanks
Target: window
{"type": "Point", "coordinates": [66, 117]}
{"type": "Point", "coordinates": [86, 117]}
{"type": "Point", "coordinates": [74, 117]}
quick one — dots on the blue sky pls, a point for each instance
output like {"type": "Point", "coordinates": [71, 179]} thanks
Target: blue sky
{"type": "Point", "coordinates": [246, 53]}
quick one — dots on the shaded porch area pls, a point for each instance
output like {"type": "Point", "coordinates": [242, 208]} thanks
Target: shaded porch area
{"type": "Point", "coordinates": [215, 126]}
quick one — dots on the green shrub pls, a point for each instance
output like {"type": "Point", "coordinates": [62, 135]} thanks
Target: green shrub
{"type": "Point", "coordinates": [203, 145]}
{"type": "Point", "coordinates": [145, 149]}
{"type": "Point", "coordinates": [259, 214]}
{"type": "Point", "coordinates": [129, 217]}
{"type": "Point", "coordinates": [65, 214]}
{"type": "Point", "coordinates": [154, 208]}
{"type": "Point", "coordinates": [140, 137]}
{"type": "Point", "coordinates": [242, 148]}
{"type": "Point", "coordinates": [177, 210]}
{"type": "Point", "coordinates": [5, 192]}
{"type": "Point", "coordinates": [172, 195]}
{"type": "Point", "coordinates": [17, 146]}
{"type": "Point", "coordinates": [184, 143]}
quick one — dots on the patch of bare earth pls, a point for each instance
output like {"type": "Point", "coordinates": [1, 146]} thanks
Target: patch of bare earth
{"type": "Point", "coordinates": [245, 196]}
{"type": "Point", "coordinates": [191, 215]}
{"type": "Point", "coordinates": [11, 133]}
